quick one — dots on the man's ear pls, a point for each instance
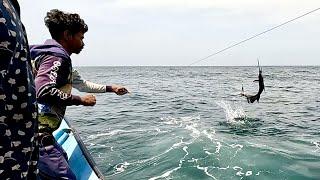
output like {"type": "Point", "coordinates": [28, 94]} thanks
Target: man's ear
{"type": "Point", "coordinates": [67, 35]}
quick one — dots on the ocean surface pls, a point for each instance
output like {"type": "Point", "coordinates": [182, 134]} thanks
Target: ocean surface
{"type": "Point", "coordinates": [190, 123]}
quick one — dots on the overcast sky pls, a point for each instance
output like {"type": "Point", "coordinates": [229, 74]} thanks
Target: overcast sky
{"type": "Point", "coordinates": [180, 32]}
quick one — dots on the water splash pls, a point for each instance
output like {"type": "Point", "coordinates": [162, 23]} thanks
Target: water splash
{"type": "Point", "coordinates": [317, 144]}
{"type": "Point", "coordinates": [119, 168]}
{"type": "Point", "coordinates": [233, 115]}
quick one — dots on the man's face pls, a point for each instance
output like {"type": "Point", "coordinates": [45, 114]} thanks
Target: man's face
{"type": "Point", "coordinates": [76, 42]}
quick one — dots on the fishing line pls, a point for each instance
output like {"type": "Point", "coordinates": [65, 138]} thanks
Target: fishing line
{"type": "Point", "coordinates": [254, 36]}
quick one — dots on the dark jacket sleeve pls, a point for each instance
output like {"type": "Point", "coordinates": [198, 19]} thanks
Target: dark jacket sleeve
{"type": "Point", "coordinates": [53, 73]}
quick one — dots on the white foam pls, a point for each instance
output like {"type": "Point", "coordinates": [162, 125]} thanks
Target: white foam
{"type": "Point", "coordinates": [223, 168]}
{"type": "Point", "coordinates": [187, 153]}
{"type": "Point", "coordinates": [209, 135]}
{"type": "Point", "coordinates": [248, 173]}
{"type": "Point", "coordinates": [205, 170]}
{"type": "Point", "coordinates": [169, 120]}
{"type": "Point", "coordinates": [166, 174]}
{"type": "Point", "coordinates": [193, 160]}
{"type": "Point", "coordinates": [236, 168]}
{"type": "Point", "coordinates": [189, 123]}
{"type": "Point", "coordinates": [218, 147]}
{"type": "Point", "coordinates": [233, 115]}
{"type": "Point", "coordinates": [239, 173]}
{"type": "Point", "coordinates": [121, 167]}
{"type": "Point", "coordinates": [317, 144]}
{"type": "Point", "coordinates": [111, 133]}
{"type": "Point", "coordinates": [257, 145]}
{"type": "Point", "coordinates": [174, 146]}
{"type": "Point", "coordinates": [121, 131]}
{"type": "Point", "coordinates": [239, 169]}
{"type": "Point", "coordinates": [209, 153]}
{"type": "Point", "coordinates": [238, 146]}
{"type": "Point", "coordinates": [178, 144]}
{"type": "Point", "coordinates": [185, 149]}
{"type": "Point", "coordinates": [194, 131]}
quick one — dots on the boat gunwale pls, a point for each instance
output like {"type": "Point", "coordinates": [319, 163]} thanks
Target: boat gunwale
{"type": "Point", "coordinates": [85, 151]}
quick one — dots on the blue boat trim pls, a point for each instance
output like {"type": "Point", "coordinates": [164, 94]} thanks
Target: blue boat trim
{"type": "Point", "coordinates": [80, 160]}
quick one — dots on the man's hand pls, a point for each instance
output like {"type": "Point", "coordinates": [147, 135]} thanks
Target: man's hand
{"type": "Point", "coordinates": [88, 100]}
{"type": "Point", "coordinates": [119, 90]}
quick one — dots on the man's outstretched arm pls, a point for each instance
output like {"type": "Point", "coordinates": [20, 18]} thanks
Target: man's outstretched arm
{"type": "Point", "coordinates": [83, 85]}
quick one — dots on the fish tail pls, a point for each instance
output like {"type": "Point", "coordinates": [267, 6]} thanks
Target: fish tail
{"type": "Point", "coordinates": [252, 99]}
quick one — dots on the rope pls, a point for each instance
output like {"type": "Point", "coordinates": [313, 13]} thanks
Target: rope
{"type": "Point", "coordinates": [254, 36]}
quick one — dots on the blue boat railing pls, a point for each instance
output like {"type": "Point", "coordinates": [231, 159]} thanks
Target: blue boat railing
{"type": "Point", "coordinates": [63, 134]}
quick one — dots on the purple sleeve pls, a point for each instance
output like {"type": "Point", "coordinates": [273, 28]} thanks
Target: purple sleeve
{"type": "Point", "coordinates": [53, 73]}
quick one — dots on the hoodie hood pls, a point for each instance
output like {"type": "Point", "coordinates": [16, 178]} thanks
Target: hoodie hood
{"type": "Point", "coordinates": [50, 47]}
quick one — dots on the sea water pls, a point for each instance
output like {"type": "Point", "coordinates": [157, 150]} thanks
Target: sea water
{"type": "Point", "coordinates": [191, 123]}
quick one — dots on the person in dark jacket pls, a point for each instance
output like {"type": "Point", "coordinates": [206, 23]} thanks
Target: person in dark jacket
{"type": "Point", "coordinates": [18, 108]}
{"type": "Point", "coordinates": [53, 79]}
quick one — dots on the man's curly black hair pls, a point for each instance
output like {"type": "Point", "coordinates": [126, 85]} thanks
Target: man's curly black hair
{"type": "Point", "coordinates": [58, 21]}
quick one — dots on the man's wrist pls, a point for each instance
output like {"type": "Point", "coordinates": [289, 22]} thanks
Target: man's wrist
{"type": "Point", "coordinates": [76, 100]}
{"type": "Point", "coordinates": [109, 89]}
